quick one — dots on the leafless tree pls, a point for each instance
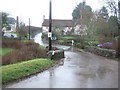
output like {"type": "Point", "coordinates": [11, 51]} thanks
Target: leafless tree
{"type": "Point", "coordinates": [112, 6]}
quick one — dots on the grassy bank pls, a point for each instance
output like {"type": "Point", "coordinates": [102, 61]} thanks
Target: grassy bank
{"type": "Point", "coordinates": [4, 51]}
{"type": "Point", "coordinates": [68, 37]}
{"type": "Point", "coordinates": [23, 69]}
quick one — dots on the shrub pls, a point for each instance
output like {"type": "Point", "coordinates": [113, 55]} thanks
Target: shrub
{"type": "Point", "coordinates": [61, 41]}
{"type": "Point", "coordinates": [12, 44]}
{"type": "Point", "coordinates": [28, 50]}
{"type": "Point", "coordinates": [23, 54]}
{"type": "Point", "coordinates": [80, 46]}
{"type": "Point", "coordinates": [107, 45]}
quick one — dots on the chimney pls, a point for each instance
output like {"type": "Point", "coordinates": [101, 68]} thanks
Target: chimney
{"type": "Point", "coordinates": [43, 17]}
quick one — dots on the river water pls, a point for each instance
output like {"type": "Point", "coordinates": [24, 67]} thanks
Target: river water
{"type": "Point", "coordinates": [38, 40]}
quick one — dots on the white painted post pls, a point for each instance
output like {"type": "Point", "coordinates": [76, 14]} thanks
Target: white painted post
{"type": "Point", "coordinates": [72, 42]}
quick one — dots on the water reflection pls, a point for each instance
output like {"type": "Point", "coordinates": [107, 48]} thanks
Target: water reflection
{"type": "Point", "coordinates": [61, 63]}
{"type": "Point", "coordinates": [51, 77]}
{"type": "Point", "coordinates": [51, 72]}
{"type": "Point", "coordinates": [72, 48]}
{"type": "Point", "coordinates": [38, 39]}
{"type": "Point", "coordinates": [52, 69]}
{"type": "Point", "coordinates": [102, 72]}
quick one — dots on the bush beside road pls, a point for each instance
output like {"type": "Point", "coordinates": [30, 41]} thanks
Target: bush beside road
{"type": "Point", "coordinates": [22, 51]}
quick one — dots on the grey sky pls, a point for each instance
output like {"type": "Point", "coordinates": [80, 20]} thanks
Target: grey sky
{"type": "Point", "coordinates": [35, 9]}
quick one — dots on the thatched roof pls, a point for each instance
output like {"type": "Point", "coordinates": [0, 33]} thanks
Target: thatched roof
{"type": "Point", "coordinates": [58, 22]}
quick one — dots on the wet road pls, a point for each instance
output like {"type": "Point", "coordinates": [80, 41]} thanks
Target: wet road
{"type": "Point", "coordinates": [80, 70]}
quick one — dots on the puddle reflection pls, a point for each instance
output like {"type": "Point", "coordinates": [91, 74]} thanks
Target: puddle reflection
{"type": "Point", "coordinates": [61, 63]}
{"type": "Point", "coordinates": [52, 71]}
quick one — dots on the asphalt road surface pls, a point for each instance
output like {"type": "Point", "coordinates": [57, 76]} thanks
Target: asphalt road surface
{"type": "Point", "coordinates": [79, 70]}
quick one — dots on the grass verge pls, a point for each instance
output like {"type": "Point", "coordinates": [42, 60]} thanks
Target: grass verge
{"type": "Point", "coordinates": [68, 37]}
{"type": "Point", "coordinates": [20, 70]}
{"type": "Point", "coordinates": [42, 47]}
{"type": "Point", "coordinates": [4, 51]}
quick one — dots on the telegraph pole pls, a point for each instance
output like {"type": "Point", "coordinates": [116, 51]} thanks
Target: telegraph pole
{"type": "Point", "coordinates": [50, 25]}
{"type": "Point", "coordinates": [29, 28]}
{"type": "Point", "coordinates": [119, 14]}
{"type": "Point", "coordinates": [17, 24]}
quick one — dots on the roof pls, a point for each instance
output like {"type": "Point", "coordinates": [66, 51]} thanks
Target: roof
{"type": "Point", "coordinates": [58, 22]}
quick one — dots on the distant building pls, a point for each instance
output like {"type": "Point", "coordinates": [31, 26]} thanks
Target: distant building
{"type": "Point", "coordinates": [12, 25]}
{"type": "Point", "coordinates": [63, 25]}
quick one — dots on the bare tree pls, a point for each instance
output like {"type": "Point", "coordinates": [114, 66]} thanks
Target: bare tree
{"type": "Point", "coordinates": [112, 6]}
{"type": "Point", "coordinates": [119, 11]}
{"type": "Point", "coordinates": [22, 30]}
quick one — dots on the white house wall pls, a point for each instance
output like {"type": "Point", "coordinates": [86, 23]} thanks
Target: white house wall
{"type": "Point", "coordinates": [65, 29]}
{"type": "Point", "coordinates": [80, 30]}
{"type": "Point", "coordinates": [13, 28]}
{"type": "Point", "coordinates": [45, 29]}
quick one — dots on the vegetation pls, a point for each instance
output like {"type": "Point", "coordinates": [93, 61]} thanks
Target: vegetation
{"type": "Point", "coordinates": [4, 16]}
{"type": "Point", "coordinates": [42, 47]}
{"type": "Point", "coordinates": [4, 51]}
{"type": "Point", "coordinates": [101, 26]}
{"type": "Point", "coordinates": [23, 69]}
{"type": "Point", "coordinates": [82, 11]}
{"type": "Point", "coordinates": [23, 51]}
{"type": "Point", "coordinates": [68, 37]}
{"type": "Point", "coordinates": [22, 32]}
{"type": "Point", "coordinates": [66, 40]}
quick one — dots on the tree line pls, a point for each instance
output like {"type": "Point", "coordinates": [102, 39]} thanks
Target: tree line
{"type": "Point", "coordinates": [22, 30]}
{"type": "Point", "coordinates": [101, 23]}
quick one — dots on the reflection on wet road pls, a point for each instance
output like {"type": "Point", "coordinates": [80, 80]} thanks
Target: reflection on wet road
{"type": "Point", "coordinates": [80, 70]}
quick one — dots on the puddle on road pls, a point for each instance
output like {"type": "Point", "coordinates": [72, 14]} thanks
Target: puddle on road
{"type": "Point", "coordinates": [102, 70]}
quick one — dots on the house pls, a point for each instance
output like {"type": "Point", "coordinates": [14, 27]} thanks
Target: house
{"type": "Point", "coordinates": [7, 31]}
{"type": "Point", "coordinates": [62, 25]}
{"type": "Point", "coordinates": [12, 25]}
{"type": "Point", "coordinates": [65, 26]}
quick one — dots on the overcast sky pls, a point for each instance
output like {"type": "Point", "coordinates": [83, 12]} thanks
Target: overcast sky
{"type": "Point", "coordinates": [35, 9]}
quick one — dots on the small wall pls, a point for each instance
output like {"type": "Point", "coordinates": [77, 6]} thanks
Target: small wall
{"type": "Point", "coordinates": [116, 45]}
{"type": "Point", "coordinates": [110, 53]}
{"type": "Point", "coordinates": [59, 54]}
